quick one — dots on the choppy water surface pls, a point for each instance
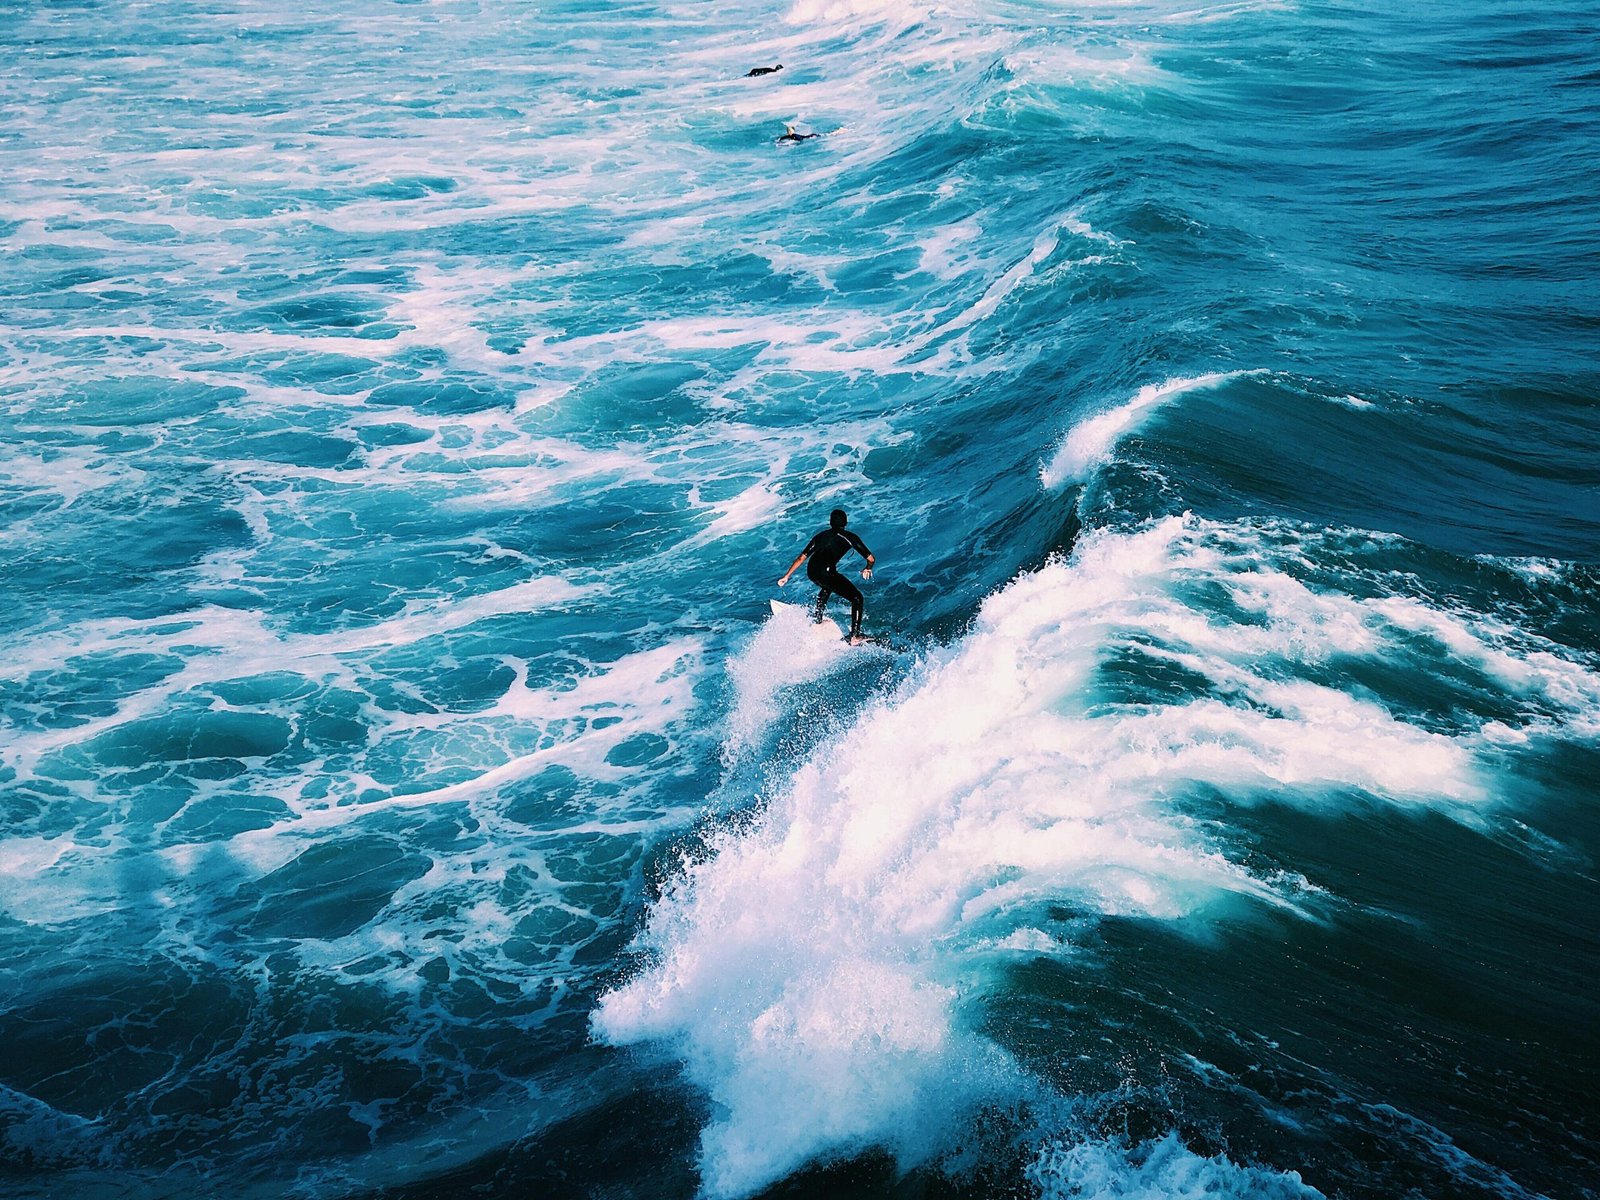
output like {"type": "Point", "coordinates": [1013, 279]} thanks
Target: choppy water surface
{"type": "Point", "coordinates": [406, 409]}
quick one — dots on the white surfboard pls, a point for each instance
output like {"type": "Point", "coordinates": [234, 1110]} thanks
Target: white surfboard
{"type": "Point", "coordinates": [825, 630]}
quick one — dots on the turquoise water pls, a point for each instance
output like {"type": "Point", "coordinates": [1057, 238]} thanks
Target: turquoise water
{"type": "Point", "coordinates": [408, 791]}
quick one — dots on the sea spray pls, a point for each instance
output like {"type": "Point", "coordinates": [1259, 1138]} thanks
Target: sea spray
{"type": "Point", "coordinates": [1163, 1169]}
{"type": "Point", "coordinates": [842, 944]}
{"type": "Point", "coordinates": [1090, 443]}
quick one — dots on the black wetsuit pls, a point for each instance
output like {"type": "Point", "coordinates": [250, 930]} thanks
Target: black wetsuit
{"type": "Point", "coordinates": [822, 567]}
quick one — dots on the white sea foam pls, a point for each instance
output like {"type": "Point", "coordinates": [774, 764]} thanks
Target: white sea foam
{"type": "Point", "coordinates": [1100, 64]}
{"type": "Point", "coordinates": [50, 881]}
{"type": "Point", "coordinates": [787, 650]}
{"type": "Point", "coordinates": [643, 693]}
{"type": "Point", "coordinates": [756, 505]}
{"type": "Point", "coordinates": [997, 781]}
{"type": "Point", "coordinates": [245, 342]}
{"type": "Point", "coordinates": [1207, 14]}
{"type": "Point", "coordinates": [1089, 444]}
{"type": "Point", "coordinates": [68, 473]}
{"type": "Point", "coordinates": [851, 342]}
{"type": "Point", "coordinates": [832, 12]}
{"type": "Point", "coordinates": [1044, 245]}
{"type": "Point", "coordinates": [28, 873]}
{"type": "Point", "coordinates": [32, 1131]}
{"type": "Point", "coordinates": [1164, 1169]}
{"type": "Point", "coordinates": [947, 251]}
{"type": "Point", "coordinates": [1523, 665]}
{"type": "Point", "coordinates": [829, 945]}
{"type": "Point", "coordinates": [221, 644]}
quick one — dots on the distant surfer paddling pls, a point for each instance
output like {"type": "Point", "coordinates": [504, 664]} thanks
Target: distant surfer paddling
{"type": "Point", "coordinates": [757, 72]}
{"type": "Point", "coordinates": [791, 136]}
{"type": "Point", "coordinates": [825, 550]}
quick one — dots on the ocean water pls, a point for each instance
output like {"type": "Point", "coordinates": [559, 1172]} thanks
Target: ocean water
{"type": "Point", "coordinates": [407, 408]}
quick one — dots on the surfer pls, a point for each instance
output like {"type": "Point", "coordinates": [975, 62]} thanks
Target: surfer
{"type": "Point", "coordinates": [757, 72]}
{"type": "Point", "coordinates": [825, 550]}
{"type": "Point", "coordinates": [792, 136]}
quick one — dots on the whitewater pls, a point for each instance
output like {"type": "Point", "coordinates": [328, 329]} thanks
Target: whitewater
{"type": "Point", "coordinates": [407, 790]}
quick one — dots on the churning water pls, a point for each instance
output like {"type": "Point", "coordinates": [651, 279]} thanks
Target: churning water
{"type": "Point", "coordinates": [407, 409]}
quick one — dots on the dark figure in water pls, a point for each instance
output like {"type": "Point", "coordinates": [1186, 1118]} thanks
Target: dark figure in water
{"type": "Point", "coordinates": [825, 550]}
{"type": "Point", "coordinates": [755, 72]}
{"type": "Point", "coordinates": [792, 136]}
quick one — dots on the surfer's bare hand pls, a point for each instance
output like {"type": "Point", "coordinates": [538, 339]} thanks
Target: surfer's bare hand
{"type": "Point", "coordinates": [867, 574]}
{"type": "Point", "coordinates": [783, 581]}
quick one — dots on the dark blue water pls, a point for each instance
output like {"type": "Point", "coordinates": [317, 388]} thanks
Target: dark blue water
{"type": "Point", "coordinates": [406, 788]}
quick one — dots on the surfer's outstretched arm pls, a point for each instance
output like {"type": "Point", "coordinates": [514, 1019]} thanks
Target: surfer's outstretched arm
{"type": "Point", "coordinates": [793, 567]}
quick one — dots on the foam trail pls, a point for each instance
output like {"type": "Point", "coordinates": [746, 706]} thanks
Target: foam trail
{"type": "Point", "coordinates": [1089, 443]}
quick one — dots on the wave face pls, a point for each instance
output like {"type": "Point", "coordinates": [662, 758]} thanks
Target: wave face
{"type": "Point", "coordinates": [407, 790]}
